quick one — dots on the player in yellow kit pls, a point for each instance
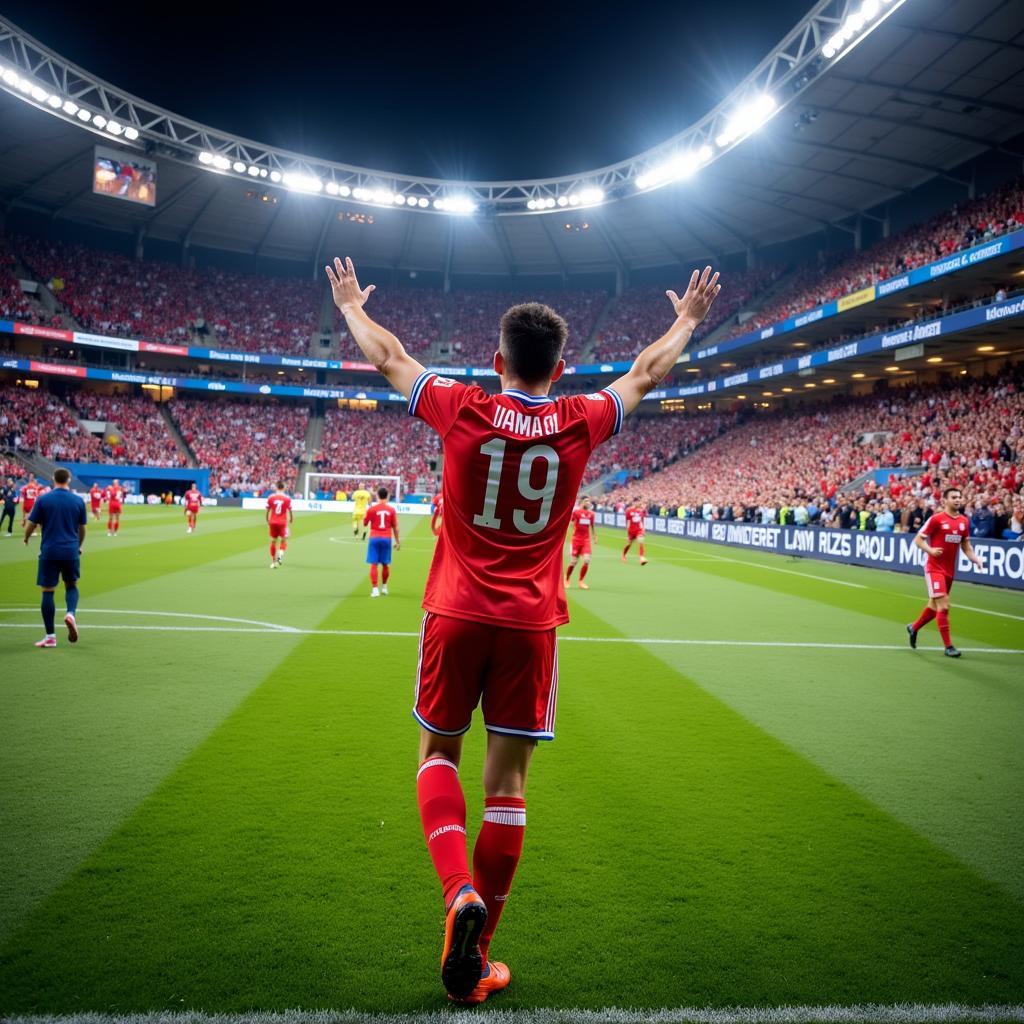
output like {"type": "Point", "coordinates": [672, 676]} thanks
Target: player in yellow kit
{"type": "Point", "coordinates": [362, 499]}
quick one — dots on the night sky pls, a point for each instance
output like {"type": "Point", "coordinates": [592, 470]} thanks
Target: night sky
{"type": "Point", "coordinates": [521, 92]}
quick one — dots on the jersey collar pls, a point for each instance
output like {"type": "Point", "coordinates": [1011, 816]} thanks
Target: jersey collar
{"type": "Point", "coordinates": [522, 396]}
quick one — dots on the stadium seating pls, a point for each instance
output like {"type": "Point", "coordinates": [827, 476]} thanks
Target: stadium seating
{"type": "Point", "coordinates": [415, 315]}
{"type": "Point", "coordinates": [248, 447]}
{"type": "Point", "coordinates": [144, 437]}
{"type": "Point", "coordinates": [34, 421]}
{"type": "Point", "coordinates": [967, 433]}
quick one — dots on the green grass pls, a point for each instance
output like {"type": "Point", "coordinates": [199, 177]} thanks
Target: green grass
{"type": "Point", "coordinates": [227, 821]}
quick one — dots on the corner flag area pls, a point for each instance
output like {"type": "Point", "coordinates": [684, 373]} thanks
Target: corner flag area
{"type": "Point", "coordinates": [208, 803]}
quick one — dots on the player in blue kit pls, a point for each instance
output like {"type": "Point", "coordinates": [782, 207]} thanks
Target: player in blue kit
{"type": "Point", "coordinates": [61, 516]}
{"type": "Point", "coordinates": [382, 520]}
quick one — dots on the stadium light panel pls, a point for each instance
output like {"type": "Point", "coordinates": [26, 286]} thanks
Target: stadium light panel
{"type": "Point", "coordinates": [131, 133]}
{"type": "Point", "coordinates": [574, 200]}
{"type": "Point", "coordinates": [204, 157]}
{"type": "Point", "coordinates": [99, 120]}
{"type": "Point", "coordinates": [238, 167]}
{"type": "Point", "coordinates": [24, 85]}
{"type": "Point", "coordinates": [114, 128]}
{"type": "Point", "coordinates": [747, 119]}
{"type": "Point", "coordinates": [70, 108]}
{"type": "Point", "coordinates": [38, 94]}
{"type": "Point", "coordinates": [275, 176]}
{"type": "Point", "coordinates": [302, 182]}
{"type": "Point", "coordinates": [331, 188]}
{"type": "Point", "coordinates": [563, 200]}
{"type": "Point", "coordinates": [10, 76]}
{"type": "Point", "coordinates": [461, 205]}
{"type": "Point", "coordinates": [399, 199]}
{"type": "Point", "coordinates": [344, 191]}
{"type": "Point", "coordinates": [591, 196]}
{"type": "Point", "coordinates": [54, 101]}
{"type": "Point", "coordinates": [383, 196]}
{"type": "Point", "coordinates": [424, 202]}
{"type": "Point", "coordinates": [254, 171]}
{"type": "Point", "coordinates": [222, 163]}
{"type": "Point", "coordinates": [83, 114]}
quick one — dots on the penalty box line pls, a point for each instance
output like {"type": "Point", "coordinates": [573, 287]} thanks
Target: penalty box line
{"type": "Point", "coordinates": [255, 626]}
{"type": "Point", "coordinates": [868, 1013]}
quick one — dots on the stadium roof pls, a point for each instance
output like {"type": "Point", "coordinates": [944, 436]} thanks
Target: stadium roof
{"type": "Point", "coordinates": [926, 91]}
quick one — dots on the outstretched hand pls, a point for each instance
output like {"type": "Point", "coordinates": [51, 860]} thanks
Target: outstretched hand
{"type": "Point", "coordinates": [345, 287]}
{"type": "Point", "coordinates": [699, 296]}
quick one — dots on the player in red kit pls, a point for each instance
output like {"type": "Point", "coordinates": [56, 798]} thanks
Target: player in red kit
{"type": "Point", "coordinates": [279, 515]}
{"type": "Point", "coordinates": [495, 593]}
{"type": "Point", "coordinates": [115, 501]}
{"type": "Point", "coordinates": [635, 515]}
{"type": "Point", "coordinates": [943, 536]}
{"type": "Point", "coordinates": [95, 500]}
{"type": "Point", "coordinates": [382, 519]}
{"type": "Point", "coordinates": [583, 528]}
{"type": "Point", "coordinates": [437, 519]}
{"type": "Point", "coordinates": [29, 492]}
{"type": "Point", "coordinates": [193, 502]}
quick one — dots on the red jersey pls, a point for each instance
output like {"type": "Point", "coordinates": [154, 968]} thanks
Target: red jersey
{"type": "Point", "coordinates": [381, 517]}
{"type": "Point", "coordinates": [635, 517]}
{"type": "Point", "coordinates": [115, 495]}
{"type": "Point", "coordinates": [29, 493]}
{"type": "Point", "coordinates": [280, 505]}
{"type": "Point", "coordinates": [95, 496]}
{"type": "Point", "coordinates": [512, 470]}
{"type": "Point", "coordinates": [582, 520]}
{"type": "Point", "coordinates": [193, 499]}
{"type": "Point", "coordinates": [946, 532]}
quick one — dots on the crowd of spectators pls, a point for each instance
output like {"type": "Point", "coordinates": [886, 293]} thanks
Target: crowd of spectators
{"type": "Point", "coordinates": [966, 434]}
{"type": "Point", "coordinates": [415, 315]}
{"type": "Point", "coordinates": [143, 436]}
{"type": "Point", "coordinates": [642, 314]}
{"type": "Point", "coordinates": [33, 421]}
{"type": "Point", "coordinates": [247, 446]}
{"type": "Point", "coordinates": [384, 442]}
{"type": "Point", "coordinates": [109, 293]}
{"type": "Point", "coordinates": [965, 225]}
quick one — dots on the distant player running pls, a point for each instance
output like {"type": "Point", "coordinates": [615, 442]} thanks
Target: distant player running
{"type": "Point", "coordinates": [115, 502]}
{"type": "Point", "coordinates": [513, 467]}
{"type": "Point", "coordinates": [279, 515]}
{"type": "Point", "coordinates": [362, 499]}
{"type": "Point", "coordinates": [61, 516]}
{"type": "Point", "coordinates": [635, 515]}
{"type": "Point", "coordinates": [382, 519]}
{"type": "Point", "coordinates": [583, 529]}
{"type": "Point", "coordinates": [95, 500]}
{"type": "Point", "coordinates": [193, 502]}
{"type": "Point", "coordinates": [437, 519]}
{"type": "Point", "coordinates": [29, 492]}
{"type": "Point", "coordinates": [943, 536]}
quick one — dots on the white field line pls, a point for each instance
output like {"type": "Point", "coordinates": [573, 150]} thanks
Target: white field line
{"type": "Point", "coordinates": [265, 628]}
{"type": "Point", "coordinates": [271, 627]}
{"type": "Point", "coordinates": [869, 1013]}
{"type": "Point", "coordinates": [789, 572]}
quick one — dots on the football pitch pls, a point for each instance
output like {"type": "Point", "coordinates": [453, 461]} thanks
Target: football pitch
{"type": "Point", "coordinates": [758, 796]}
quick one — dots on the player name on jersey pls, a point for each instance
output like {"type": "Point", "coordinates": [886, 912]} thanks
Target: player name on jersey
{"type": "Point", "coordinates": [525, 424]}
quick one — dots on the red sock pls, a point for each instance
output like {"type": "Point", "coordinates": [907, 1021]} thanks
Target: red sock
{"type": "Point", "coordinates": [373, 575]}
{"type": "Point", "coordinates": [110, 525]}
{"type": "Point", "coordinates": [923, 619]}
{"type": "Point", "coordinates": [443, 813]}
{"type": "Point", "coordinates": [641, 551]}
{"type": "Point", "coordinates": [583, 570]}
{"type": "Point", "coordinates": [625, 550]}
{"type": "Point", "coordinates": [273, 550]}
{"type": "Point", "coordinates": [943, 621]}
{"type": "Point", "coordinates": [117, 526]}
{"type": "Point", "coordinates": [496, 857]}
{"type": "Point", "coordinates": [385, 572]}
{"type": "Point", "coordinates": [568, 572]}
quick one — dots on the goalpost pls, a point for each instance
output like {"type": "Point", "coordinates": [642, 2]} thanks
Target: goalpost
{"type": "Point", "coordinates": [349, 482]}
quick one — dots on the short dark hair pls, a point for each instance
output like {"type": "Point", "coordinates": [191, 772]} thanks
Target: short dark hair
{"type": "Point", "coordinates": [61, 475]}
{"type": "Point", "coordinates": [279, 485]}
{"type": "Point", "coordinates": [382, 493]}
{"type": "Point", "coordinates": [949, 490]}
{"type": "Point", "coordinates": [532, 338]}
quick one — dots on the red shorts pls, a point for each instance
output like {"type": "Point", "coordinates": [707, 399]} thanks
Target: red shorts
{"type": "Point", "coordinates": [95, 506]}
{"type": "Point", "coordinates": [938, 583]}
{"type": "Point", "coordinates": [279, 530]}
{"type": "Point", "coordinates": [579, 547]}
{"type": "Point", "coordinates": [515, 671]}
{"type": "Point", "coordinates": [27, 507]}
{"type": "Point", "coordinates": [114, 508]}
{"type": "Point", "coordinates": [632, 534]}
{"type": "Point", "coordinates": [192, 510]}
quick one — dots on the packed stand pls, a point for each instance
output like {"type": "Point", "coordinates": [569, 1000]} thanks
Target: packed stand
{"type": "Point", "coordinates": [414, 315]}
{"type": "Point", "coordinates": [379, 443]}
{"type": "Point", "coordinates": [968, 434]}
{"type": "Point", "coordinates": [35, 422]}
{"type": "Point", "coordinates": [108, 293]}
{"type": "Point", "coordinates": [643, 314]}
{"type": "Point", "coordinates": [475, 318]}
{"type": "Point", "coordinates": [247, 447]}
{"type": "Point", "coordinates": [964, 226]}
{"type": "Point", "coordinates": [144, 439]}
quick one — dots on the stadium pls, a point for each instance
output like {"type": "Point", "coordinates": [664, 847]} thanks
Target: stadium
{"type": "Point", "coordinates": [787, 779]}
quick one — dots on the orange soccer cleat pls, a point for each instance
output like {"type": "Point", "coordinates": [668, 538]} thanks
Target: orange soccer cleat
{"type": "Point", "coordinates": [461, 961]}
{"type": "Point", "coordinates": [496, 977]}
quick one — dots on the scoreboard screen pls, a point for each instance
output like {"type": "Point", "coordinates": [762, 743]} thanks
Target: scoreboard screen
{"type": "Point", "coordinates": [124, 175]}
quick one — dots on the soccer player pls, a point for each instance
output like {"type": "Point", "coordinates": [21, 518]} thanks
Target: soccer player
{"type": "Point", "coordinates": [95, 500]}
{"type": "Point", "coordinates": [29, 492]}
{"type": "Point", "coordinates": [9, 499]}
{"type": "Point", "coordinates": [583, 528]}
{"type": "Point", "coordinates": [61, 516]}
{"type": "Point", "coordinates": [115, 502]}
{"type": "Point", "coordinates": [635, 529]}
{"type": "Point", "coordinates": [437, 518]}
{"type": "Point", "coordinates": [513, 467]}
{"type": "Point", "coordinates": [942, 538]}
{"type": "Point", "coordinates": [362, 499]}
{"type": "Point", "coordinates": [279, 515]}
{"type": "Point", "coordinates": [193, 502]}
{"type": "Point", "coordinates": [382, 520]}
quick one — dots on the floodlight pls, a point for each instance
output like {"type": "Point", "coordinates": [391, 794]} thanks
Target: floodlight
{"type": "Point", "coordinates": [302, 182]}
{"type": "Point", "coordinates": [563, 201]}
{"type": "Point", "coordinates": [70, 108]}
{"type": "Point", "coordinates": [10, 76]}
{"type": "Point", "coordinates": [99, 120]}
{"type": "Point", "coordinates": [114, 128]}
{"type": "Point", "coordinates": [39, 94]}
{"type": "Point", "coordinates": [399, 199]}
{"type": "Point", "coordinates": [344, 190]}
{"type": "Point", "coordinates": [254, 171]}
{"type": "Point", "coordinates": [591, 196]}
{"type": "Point", "coordinates": [83, 114]}
{"type": "Point", "coordinates": [131, 133]}
{"type": "Point", "coordinates": [747, 119]}
{"type": "Point", "coordinates": [204, 157]}
{"type": "Point", "coordinates": [238, 167]}
{"type": "Point", "coordinates": [424, 202]}
{"type": "Point", "coordinates": [275, 176]}
{"type": "Point", "coordinates": [54, 101]}
{"type": "Point", "coordinates": [332, 188]}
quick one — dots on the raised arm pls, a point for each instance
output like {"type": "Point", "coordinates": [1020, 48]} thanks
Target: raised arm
{"type": "Point", "coordinates": [378, 344]}
{"type": "Point", "coordinates": [655, 362]}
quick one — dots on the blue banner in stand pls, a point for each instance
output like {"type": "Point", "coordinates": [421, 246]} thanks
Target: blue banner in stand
{"type": "Point", "coordinates": [1003, 560]}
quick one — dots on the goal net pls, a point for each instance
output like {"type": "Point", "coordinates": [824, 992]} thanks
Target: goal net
{"type": "Point", "coordinates": [331, 483]}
